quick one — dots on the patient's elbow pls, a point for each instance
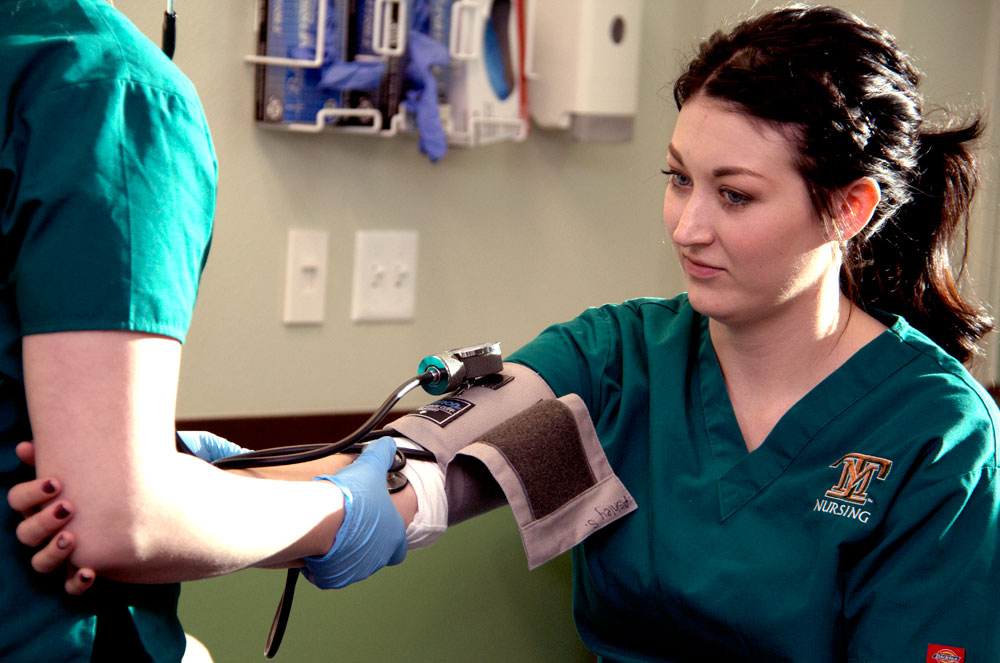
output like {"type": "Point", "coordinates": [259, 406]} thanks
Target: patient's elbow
{"type": "Point", "coordinates": [114, 540]}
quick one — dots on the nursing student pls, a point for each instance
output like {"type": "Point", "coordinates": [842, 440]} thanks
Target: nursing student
{"type": "Point", "coordinates": [107, 192]}
{"type": "Point", "coordinates": [815, 469]}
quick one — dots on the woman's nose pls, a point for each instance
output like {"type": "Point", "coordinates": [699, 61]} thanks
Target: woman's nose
{"type": "Point", "coordinates": [690, 226]}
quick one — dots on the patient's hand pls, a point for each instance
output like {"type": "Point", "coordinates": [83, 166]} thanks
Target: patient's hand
{"type": "Point", "coordinates": [45, 517]}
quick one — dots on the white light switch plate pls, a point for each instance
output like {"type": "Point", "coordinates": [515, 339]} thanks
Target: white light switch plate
{"type": "Point", "coordinates": [385, 275]}
{"type": "Point", "coordinates": [305, 277]}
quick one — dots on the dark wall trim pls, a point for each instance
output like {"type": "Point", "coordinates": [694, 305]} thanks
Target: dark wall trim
{"type": "Point", "coordinates": [283, 430]}
{"type": "Point", "coordinates": [279, 431]}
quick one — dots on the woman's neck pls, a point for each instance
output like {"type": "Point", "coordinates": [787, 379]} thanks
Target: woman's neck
{"type": "Point", "coordinates": [771, 363]}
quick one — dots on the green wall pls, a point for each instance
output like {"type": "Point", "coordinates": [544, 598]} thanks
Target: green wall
{"type": "Point", "coordinates": [469, 597]}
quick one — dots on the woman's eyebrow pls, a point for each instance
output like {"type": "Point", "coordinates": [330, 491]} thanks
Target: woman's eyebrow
{"type": "Point", "coordinates": [718, 172]}
{"type": "Point", "coordinates": [674, 153]}
{"type": "Point", "coordinates": [735, 170]}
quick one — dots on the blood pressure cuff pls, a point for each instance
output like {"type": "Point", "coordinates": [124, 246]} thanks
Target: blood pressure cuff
{"type": "Point", "coordinates": [510, 432]}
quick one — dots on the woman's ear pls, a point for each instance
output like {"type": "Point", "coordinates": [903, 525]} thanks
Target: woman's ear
{"type": "Point", "coordinates": [858, 202]}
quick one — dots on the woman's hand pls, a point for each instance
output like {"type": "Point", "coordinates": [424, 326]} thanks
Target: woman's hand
{"type": "Point", "coordinates": [373, 533]}
{"type": "Point", "coordinates": [45, 517]}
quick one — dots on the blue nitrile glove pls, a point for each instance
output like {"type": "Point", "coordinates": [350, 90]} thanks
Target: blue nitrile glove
{"type": "Point", "coordinates": [336, 74]}
{"type": "Point", "coordinates": [208, 446]}
{"type": "Point", "coordinates": [340, 76]}
{"type": "Point", "coordinates": [372, 534]}
{"type": "Point", "coordinates": [422, 94]}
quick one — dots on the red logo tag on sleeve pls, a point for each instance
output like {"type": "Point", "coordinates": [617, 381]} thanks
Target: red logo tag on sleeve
{"type": "Point", "coordinates": [942, 654]}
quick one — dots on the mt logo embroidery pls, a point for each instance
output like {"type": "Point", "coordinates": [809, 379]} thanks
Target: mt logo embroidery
{"type": "Point", "coordinates": [856, 476]}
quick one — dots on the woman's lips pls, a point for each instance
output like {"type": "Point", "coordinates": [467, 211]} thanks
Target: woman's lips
{"type": "Point", "coordinates": [699, 270]}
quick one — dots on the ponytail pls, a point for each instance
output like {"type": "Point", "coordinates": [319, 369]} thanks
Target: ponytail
{"type": "Point", "coordinates": [906, 267]}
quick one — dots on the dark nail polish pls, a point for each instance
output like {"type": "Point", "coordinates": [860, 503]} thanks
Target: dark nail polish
{"type": "Point", "coordinates": [86, 577]}
{"type": "Point", "coordinates": [48, 487]}
{"type": "Point", "coordinates": [62, 542]}
{"type": "Point", "coordinates": [62, 512]}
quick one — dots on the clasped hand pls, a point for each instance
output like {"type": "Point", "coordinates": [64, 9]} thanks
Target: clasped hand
{"type": "Point", "coordinates": [45, 516]}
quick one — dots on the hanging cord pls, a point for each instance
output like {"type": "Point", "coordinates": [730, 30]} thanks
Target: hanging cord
{"type": "Point", "coordinates": [169, 30]}
{"type": "Point", "coordinates": [448, 372]}
{"type": "Point", "coordinates": [302, 453]}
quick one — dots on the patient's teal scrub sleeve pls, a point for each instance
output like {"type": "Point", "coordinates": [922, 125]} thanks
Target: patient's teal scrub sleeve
{"type": "Point", "coordinates": [372, 534]}
{"type": "Point", "coordinates": [209, 446]}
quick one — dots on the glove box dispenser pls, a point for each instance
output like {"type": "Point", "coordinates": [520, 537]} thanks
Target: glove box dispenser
{"type": "Point", "coordinates": [487, 86]}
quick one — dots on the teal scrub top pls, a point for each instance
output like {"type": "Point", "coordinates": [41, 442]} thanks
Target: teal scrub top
{"type": "Point", "coordinates": [864, 528]}
{"type": "Point", "coordinates": [107, 191]}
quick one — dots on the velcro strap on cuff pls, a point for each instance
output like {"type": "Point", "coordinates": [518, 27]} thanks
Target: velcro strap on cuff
{"type": "Point", "coordinates": [554, 473]}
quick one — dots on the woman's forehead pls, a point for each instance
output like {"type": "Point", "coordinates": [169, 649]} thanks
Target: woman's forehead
{"type": "Point", "coordinates": [717, 134]}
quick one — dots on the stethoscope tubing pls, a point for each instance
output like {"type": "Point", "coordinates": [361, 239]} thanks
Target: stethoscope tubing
{"type": "Point", "coordinates": [302, 453]}
{"type": "Point", "coordinates": [306, 452]}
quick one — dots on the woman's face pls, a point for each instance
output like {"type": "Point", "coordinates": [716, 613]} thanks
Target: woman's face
{"type": "Point", "coordinates": [747, 236]}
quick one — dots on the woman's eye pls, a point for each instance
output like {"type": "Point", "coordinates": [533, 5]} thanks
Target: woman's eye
{"type": "Point", "coordinates": [734, 198]}
{"type": "Point", "coordinates": [677, 178]}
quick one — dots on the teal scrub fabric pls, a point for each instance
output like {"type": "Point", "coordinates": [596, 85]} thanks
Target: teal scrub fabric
{"type": "Point", "coordinates": [107, 191]}
{"type": "Point", "coordinates": [864, 528]}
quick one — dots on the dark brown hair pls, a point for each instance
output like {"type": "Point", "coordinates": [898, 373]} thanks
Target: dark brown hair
{"type": "Point", "coordinates": [848, 95]}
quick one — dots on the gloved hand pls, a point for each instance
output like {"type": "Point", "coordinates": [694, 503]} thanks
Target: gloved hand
{"type": "Point", "coordinates": [209, 446]}
{"type": "Point", "coordinates": [372, 534]}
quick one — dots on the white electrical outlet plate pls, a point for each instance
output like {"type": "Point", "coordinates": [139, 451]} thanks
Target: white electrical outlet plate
{"type": "Point", "coordinates": [305, 277]}
{"type": "Point", "coordinates": [385, 275]}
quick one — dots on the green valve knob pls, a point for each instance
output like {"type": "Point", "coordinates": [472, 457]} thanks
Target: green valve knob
{"type": "Point", "coordinates": [461, 365]}
{"type": "Point", "coordinates": [440, 386]}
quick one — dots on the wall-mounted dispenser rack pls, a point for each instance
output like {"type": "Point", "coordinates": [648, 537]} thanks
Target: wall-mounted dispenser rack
{"type": "Point", "coordinates": [342, 66]}
{"type": "Point", "coordinates": [457, 72]}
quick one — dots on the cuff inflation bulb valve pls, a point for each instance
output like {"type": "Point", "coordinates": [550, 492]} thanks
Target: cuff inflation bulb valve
{"type": "Point", "coordinates": [462, 365]}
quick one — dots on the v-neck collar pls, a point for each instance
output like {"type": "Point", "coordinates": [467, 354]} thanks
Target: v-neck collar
{"type": "Point", "coordinates": [743, 474]}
